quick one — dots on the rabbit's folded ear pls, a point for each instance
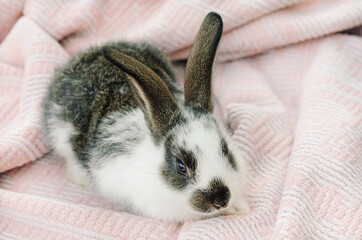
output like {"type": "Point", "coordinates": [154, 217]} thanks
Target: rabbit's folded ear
{"type": "Point", "coordinates": [199, 67]}
{"type": "Point", "coordinates": [152, 94]}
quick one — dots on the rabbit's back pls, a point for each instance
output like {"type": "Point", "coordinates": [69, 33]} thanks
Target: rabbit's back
{"type": "Point", "coordinates": [89, 88]}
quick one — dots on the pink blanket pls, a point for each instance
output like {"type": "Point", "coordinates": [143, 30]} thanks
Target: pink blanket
{"type": "Point", "coordinates": [286, 81]}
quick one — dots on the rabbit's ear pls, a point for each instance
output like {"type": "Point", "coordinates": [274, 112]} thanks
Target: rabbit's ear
{"type": "Point", "coordinates": [199, 67]}
{"type": "Point", "coordinates": [147, 87]}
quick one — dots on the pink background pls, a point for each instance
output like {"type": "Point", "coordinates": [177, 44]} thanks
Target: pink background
{"type": "Point", "coordinates": [286, 81]}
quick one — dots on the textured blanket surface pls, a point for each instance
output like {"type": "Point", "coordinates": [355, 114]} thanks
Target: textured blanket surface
{"type": "Point", "coordinates": [288, 81]}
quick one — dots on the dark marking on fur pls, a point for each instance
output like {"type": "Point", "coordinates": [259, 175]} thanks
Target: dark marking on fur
{"type": "Point", "coordinates": [226, 153]}
{"type": "Point", "coordinates": [170, 175]}
{"type": "Point", "coordinates": [214, 197]}
{"type": "Point", "coordinates": [106, 145]}
{"type": "Point", "coordinates": [199, 67]}
{"type": "Point", "coordinates": [169, 169]}
{"type": "Point", "coordinates": [189, 159]}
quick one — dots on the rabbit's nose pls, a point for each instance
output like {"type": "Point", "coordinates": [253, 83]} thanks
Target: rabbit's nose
{"type": "Point", "coordinates": [222, 198]}
{"type": "Point", "coordinates": [216, 196]}
{"type": "Point", "coordinates": [222, 204]}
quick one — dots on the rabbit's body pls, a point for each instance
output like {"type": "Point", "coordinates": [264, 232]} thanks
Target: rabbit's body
{"type": "Point", "coordinates": [118, 117]}
{"type": "Point", "coordinates": [88, 91]}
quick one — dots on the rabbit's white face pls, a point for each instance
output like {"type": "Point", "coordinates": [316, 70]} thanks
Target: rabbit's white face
{"type": "Point", "coordinates": [201, 164]}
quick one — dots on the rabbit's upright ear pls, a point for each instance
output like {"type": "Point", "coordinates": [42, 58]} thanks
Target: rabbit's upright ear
{"type": "Point", "coordinates": [199, 67]}
{"type": "Point", "coordinates": [152, 94]}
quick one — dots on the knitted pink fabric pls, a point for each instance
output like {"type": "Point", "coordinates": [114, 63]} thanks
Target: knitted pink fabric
{"type": "Point", "coordinates": [295, 110]}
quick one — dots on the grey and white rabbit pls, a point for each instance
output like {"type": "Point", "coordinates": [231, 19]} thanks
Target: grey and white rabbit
{"type": "Point", "coordinates": [124, 126]}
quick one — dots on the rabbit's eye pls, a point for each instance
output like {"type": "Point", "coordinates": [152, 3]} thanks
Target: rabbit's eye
{"type": "Point", "coordinates": [181, 168]}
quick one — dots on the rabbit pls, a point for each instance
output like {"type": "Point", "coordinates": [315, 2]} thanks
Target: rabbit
{"type": "Point", "coordinates": [126, 129]}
